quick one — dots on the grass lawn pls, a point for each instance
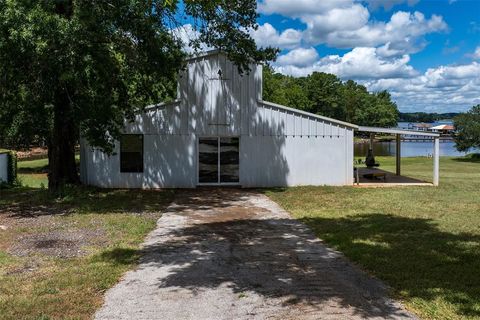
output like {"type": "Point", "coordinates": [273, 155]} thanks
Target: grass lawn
{"type": "Point", "coordinates": [422, 241]}
{"type": "Point", "coordinates": [59, 255]}
{"type": "Point", "coordinates": [33, 173]}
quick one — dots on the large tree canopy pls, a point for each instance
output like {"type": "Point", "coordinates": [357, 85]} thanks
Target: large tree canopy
{"type": "Point", "coordinates": [81, 67]}
{"type": "Point", "coordinates": [467, 126]}
{"type": "Point", "coordinates": [325, 94]}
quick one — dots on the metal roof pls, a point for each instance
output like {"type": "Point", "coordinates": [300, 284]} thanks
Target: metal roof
{"type": "Point", "coordinates": [443, 127]}
{"type": "Point", "coordinates": [197, 55]}
{"type": "Point", "coordinates": [312, 115]}
{"type": "Point", "coordinates": [398, 131]}
{"type": "Point", "coordinates": [160, 105]}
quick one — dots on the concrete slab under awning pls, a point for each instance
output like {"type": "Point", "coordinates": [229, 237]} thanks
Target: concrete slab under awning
{"type": "Point", "coordinates": [398, 134]}
{"type": "Point", "coordinates": [391, 179]}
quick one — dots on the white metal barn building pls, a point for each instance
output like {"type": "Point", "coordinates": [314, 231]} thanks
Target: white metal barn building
{"type": "Point", "coordinates": [219, 131]}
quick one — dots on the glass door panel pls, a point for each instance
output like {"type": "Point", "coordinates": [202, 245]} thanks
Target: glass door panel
{"type": "Point", "coordinates": [208, 160]}
{"type": "Point", "coordinates": [229, 160]}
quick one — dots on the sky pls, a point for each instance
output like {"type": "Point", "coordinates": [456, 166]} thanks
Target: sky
{"type": "Point", "coordinates": [426, 53]}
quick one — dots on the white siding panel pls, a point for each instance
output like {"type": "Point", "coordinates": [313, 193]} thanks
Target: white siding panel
{"type": "Point", "coordinates": [289, 128]}
{"type": "Point", "coordinates": [298, 125]}
{"type": "Point", "coordinates": [244, 107]}
{"type": "Point", "coordinates": [257, 78]}
{"type": "Point", "coordinates": [306, 126]}
{"type": "Point", "coordinates": [293, 161]}
{"type": "Point", "coordinates": [169, 161]}
{"type": "Point", "coordinates": [348, 156]}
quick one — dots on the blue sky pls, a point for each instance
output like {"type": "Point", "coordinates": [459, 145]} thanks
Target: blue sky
{"type": "Point", "coordinates": [425, 52]}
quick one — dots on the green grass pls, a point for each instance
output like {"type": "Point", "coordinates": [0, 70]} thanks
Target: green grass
{"type": "Point", "coordinates": [39, 286]}
{"type": "Point", "coordinates": [33, 180]}
{"type": "Point", "coordinates": [38, 166]}
{"type": "Point", "coordinates": [423, 241]}
{"type": "Point", "coordinates": [33, 173]}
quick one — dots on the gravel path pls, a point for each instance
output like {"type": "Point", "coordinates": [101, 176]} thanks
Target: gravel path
{"type": "Point", "coordinates": [235, 254]}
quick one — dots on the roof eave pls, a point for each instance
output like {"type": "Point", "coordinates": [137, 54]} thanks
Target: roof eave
{"type": "Point", "coordinates": [203, 54]}
{"type": "Point", "coordinates": [398, 131]}
{"type": "Point", "coordinates": [161, 104]}
{"type": "Point", "coordinates": [305, 113]}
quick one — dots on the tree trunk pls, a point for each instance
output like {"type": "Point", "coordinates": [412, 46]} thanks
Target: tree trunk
{"type": "Point", "coordinates": [61, 147]}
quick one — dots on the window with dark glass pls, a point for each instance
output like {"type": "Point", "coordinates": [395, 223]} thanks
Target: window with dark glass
{"type": "Point", "coordinates": [131, 153]}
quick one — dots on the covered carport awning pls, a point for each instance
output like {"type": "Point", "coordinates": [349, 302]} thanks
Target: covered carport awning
{"type": "Point", "coordinates": [411, 134]}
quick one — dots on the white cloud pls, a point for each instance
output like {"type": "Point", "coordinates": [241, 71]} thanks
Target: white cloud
{"type": "Point", "coordinates": [360, 63]}
{"type": "Point", "coordinates": [403, 33]}
{"type": "Point", "coordinates": [442, 89]}
{"type": "Point", "coordinates": [447, 88]}
{"type": "Point", "coordinates": [187, 34]}
{"type": "Point", "coordinates": [389, 4]}
{"type": "Point", "coordinates": [476, 54]}
{"type": "Point", "coordinates": [267, 35]}
{"type": "Point", "coordinates": [347, 24]}
{"type": "Point", "coordinates": [337, 19]}
{"type": "Point", "coordinates": [299, 57]}
{"type": "Point", "coordinates": [297, 8]}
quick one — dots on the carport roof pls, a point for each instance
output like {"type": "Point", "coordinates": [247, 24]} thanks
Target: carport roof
{"type": "Point", "coordinates": [398, 131]}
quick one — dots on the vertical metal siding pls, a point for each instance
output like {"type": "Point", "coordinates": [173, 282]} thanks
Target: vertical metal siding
{"type": "Point", "coordinates": [278, 147]}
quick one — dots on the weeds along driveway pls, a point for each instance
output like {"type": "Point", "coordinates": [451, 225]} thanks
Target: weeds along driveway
{"type": "Point", "coordinates": [235, 254]}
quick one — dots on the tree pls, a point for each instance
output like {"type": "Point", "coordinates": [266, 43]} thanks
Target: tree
{"type": "Point", "coordinates": [325, 94]}
{"type": "Point", "coordinates": [355, 98]}
{"type": "Point", "coordinates": [284, 90]}
{"type": "Point", "coordinates": [467, 126]}
{"type": "Point", "coordinates": [73, 68]}
{"type": "Point", "coordinates": [377, 110]}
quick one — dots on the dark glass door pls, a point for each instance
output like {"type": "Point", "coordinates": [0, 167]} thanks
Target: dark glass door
{"type": "Point", "coordinates": [229, 160]}
{"type": "Point", "coordinates": [218, 160]}
{"type": "Point", "coordinates": [208, 160]}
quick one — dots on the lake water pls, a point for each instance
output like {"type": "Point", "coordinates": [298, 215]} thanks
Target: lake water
{"type": "Point", "coordinates": [408, 149]}
{"type": "Point", "coordinates": [411, 148]}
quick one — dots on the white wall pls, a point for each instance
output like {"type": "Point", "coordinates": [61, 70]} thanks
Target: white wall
{"type": "Point", "coordinates": [278, 146]}
{"type": "Point", "coordinates": [169, 161]}
{"type": "Point", "coordinates": [295, 160]}
{"type": "Point", "coordinates": [3, 167]}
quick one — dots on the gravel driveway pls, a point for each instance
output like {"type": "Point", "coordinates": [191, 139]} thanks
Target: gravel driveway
{"type": "Point", "coordinates": [235, 254]}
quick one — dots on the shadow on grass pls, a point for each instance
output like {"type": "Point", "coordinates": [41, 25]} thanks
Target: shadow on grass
{"type": "Point", "coordinates": [412, 255]}
{"type": "Point", "coordinates": [473, 157]}
{"type": "Point", "coordinates": [29, 170]}
{"type": "Point", "coordinates": [119, 256]}
{"type": "Point", "coordinates": [29, 202]}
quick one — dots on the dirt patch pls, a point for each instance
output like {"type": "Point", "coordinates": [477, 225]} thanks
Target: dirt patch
{"type": "Point", "coordinates": [32, 154]}
{"type": "Point", "coordinates": [24, 213]}
{"type": "Point", "coordinates": [60, 244]}
{"type": "Point", "coordinates": [26, 267]}
{"type": "Point", "coordinates": [209, 205]}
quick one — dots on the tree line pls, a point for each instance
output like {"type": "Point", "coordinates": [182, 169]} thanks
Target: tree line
{"type": "Point", "coordinates": [325, 94]}
{"type": "Point", "coordinates": [426, 117]}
